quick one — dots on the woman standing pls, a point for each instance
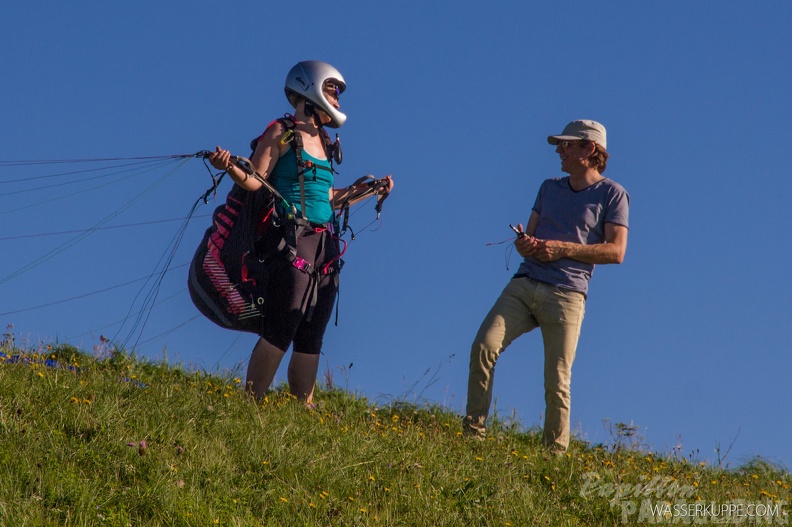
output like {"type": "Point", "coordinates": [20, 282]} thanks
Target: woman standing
{"type": "Point", "coordinates": [302, 287]}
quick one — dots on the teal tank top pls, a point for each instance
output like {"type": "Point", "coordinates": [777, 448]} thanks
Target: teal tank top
{"type": "Point", "coordinates": [318, 182]}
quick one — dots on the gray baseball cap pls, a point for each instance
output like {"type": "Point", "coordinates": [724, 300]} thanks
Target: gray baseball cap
{"type": "Point", "coordinates": [581, 129]}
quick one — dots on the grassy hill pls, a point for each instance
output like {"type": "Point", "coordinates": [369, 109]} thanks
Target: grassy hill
{"type": "Point", "coordinates": [122, 441]}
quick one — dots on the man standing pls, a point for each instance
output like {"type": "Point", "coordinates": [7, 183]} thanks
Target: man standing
{"type": "Point", "coordinates": [577, 222]}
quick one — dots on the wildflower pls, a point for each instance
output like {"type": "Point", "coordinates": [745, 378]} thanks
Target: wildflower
{"type": "Point", "coordinates": [284, 500]}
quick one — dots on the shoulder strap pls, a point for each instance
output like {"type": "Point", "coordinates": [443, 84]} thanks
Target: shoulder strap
{"type": "Point", "coordinates": [297, 144]}
{"type": "Point", "coordinates": [332, 150]}
{"type": "Point", "coordinates": [291, 135]}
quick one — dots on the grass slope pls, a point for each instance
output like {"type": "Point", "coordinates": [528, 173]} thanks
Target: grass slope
{"type": "Point", "coordinates": [127, 442]}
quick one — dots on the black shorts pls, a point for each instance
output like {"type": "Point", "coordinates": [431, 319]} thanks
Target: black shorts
{"type": "Point", "coordinates": [299, 304]}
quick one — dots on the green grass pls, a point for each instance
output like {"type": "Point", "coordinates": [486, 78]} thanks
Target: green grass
{"type": "Point", "coordinates": [124, 441]}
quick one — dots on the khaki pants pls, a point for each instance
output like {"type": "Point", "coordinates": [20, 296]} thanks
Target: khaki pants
{"type": "Point", "coordinates": [524, 305]}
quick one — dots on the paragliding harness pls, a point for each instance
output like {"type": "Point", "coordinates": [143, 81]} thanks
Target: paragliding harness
{"type": "Point", "coordinates": [231, 267]}
{"type": "Point", "coordinates": [294, 226]}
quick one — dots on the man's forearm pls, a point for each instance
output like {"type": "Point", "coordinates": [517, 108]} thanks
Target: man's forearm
{"type": "Point", "coordinates": [598, 253]}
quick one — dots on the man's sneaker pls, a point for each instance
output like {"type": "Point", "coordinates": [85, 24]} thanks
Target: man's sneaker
{"type": "Point", "coordinates": [472, 431]}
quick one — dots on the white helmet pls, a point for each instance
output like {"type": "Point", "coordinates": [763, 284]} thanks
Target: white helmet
{"type": "Point", "coordinates": [308, 78]}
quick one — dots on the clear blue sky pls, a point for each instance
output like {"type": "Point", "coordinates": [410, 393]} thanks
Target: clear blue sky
{"type": "Point", "coordinates": [687, 339]}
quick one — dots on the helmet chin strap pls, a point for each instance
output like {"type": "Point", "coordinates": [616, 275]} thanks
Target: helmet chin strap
{"type": "Point", "coordinates": [310, 111]}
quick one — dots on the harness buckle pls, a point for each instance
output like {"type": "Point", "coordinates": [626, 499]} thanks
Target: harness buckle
{"type": "Point", "coordinates": [303, 265]}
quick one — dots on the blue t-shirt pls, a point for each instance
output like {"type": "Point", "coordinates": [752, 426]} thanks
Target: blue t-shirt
{"type": "Point", "coordinates": [318, 181]}
{"type": "Point", "coordinates": [574, 216]}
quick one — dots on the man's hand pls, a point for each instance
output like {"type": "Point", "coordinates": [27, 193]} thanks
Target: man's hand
{"type": "Point", "coordinates": [547, 250]}
{"type": "Point", "coordinates": [610, 252]}
{"type": "Point", "coordinates": [526, 245]}
{"type": "Point", "coordinates": [542, 250]}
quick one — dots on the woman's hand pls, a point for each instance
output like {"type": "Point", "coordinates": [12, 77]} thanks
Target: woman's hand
{"type": "Point", "coordinates": [389, 180]}
{"type": "Point", "coordinates": [221, 159]}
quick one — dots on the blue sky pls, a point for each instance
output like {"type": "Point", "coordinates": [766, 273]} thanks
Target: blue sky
{"type": "Point", "coordinates": [685, 339]}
